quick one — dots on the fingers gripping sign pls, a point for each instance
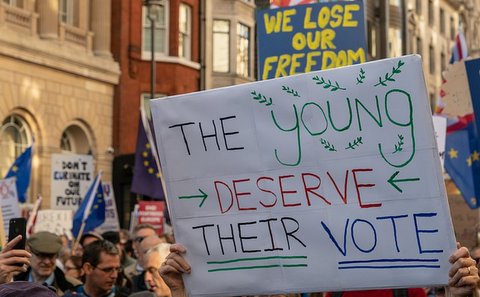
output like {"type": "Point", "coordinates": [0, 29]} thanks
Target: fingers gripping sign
{"type": "Point", "coordinates": [172, 269]}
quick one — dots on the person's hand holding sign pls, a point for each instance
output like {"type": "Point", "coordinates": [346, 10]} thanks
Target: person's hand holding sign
{"type": "Point", "coordinates": [13, 261]}
{"type": "Point", "coordinates": [463, 276]}
{"type": "Point", "coordinates": [172, 269]}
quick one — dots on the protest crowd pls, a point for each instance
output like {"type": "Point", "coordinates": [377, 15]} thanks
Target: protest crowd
{"type": "Point", "coordinates": [392, 206]}
{"type": "Point", "coordinates": [101, 266]}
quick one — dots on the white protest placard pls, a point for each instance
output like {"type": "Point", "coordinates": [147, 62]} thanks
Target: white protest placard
{"type": "Point", "coordinates": [322, 181]}
{"type": "Point", "coordinates": [54, 220]}
{"type": "Point", "coordinates": [111, 214]}
{"type": "Point", "coordinates": [440, 127]}
{"type": "Point", "coordinates": [8, 201]}
{"type": "Point", "coordinates": [71, 176]}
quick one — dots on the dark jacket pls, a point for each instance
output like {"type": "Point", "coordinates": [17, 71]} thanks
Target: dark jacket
{"type": "Point", "coordinates": [61, 282]}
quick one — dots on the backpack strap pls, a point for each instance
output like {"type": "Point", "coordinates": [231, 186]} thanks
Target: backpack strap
{"type": "Point", "coordinates": [400, 293]}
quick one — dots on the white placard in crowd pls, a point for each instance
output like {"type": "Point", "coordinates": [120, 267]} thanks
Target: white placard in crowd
{"type": "Point", "coordinates": [8, 201]}
{"type": "Point", "coordinates": [440, 126]}
{"type": "Point", "coordinates": [322, 181]}
{"type": "Point", "coordinates": [71, 177]}
{"type": "Point", "coordinates": [54, 220]}
{"type": "Point", "coordinates": [111, 214]}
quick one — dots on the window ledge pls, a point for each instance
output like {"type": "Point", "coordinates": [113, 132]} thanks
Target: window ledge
{"type": "Point", "coordinates": [171, 59]}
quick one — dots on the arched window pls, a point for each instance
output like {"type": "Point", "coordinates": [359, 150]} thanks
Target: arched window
{"type": "Point", "coordinates": [75, 140]}
{"type": "Point", "coordinates": [15, 137]}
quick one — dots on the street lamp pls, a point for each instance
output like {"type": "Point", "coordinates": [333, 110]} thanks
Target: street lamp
{"type": "Point", "coordinates": [153, 7]}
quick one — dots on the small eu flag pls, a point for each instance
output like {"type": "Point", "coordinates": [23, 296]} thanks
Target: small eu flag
{"type": "Point", "coordinates": [92, 209]}
{"type": "Point", "coordinates": [21, 170]}
{"type": "Point", "coordinates": [146, 176]}
{"type": "Point", "coordinates": [462, 162]}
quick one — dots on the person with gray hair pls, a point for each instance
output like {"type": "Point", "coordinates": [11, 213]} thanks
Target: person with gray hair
{"type": "Point", "coordinates": [153, 259]}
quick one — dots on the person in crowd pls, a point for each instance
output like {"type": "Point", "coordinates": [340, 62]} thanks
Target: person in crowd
{"type": "Point", "coordinates": [26, 289]}
{"type": "Point", "coordinates": [153, 259]}
{"type": "Point", "coordinates": [140, 232]}
{"type": "Point", "coordinates": [126, 242]}
{"type": "Point", "coordinates": [86, 239]}
{"type": "Point", "coordinates": [114, 237]}
{"type": "Point", "coordinates": [13, 262]}
{"type": "Point", "coordinates": [101, 264]}
{"type": "Point", "coordinates": [44, 248]}
{"type": "Point", "coordinates": [63, 256]}
{"type": "Point", "coordinates": [73, 267]}
{"type": "Point", "coordinates": [463, 274]}
{"type": "Point", "coordinates": [138, 281]}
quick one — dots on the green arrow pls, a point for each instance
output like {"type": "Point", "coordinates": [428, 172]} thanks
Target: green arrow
{"type": "Point", "coordinates": [392, 180]}
{"type": "Point", "coordinates": [203, 195]}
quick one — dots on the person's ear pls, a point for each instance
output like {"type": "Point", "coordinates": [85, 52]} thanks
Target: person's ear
{"type": "Point", "coordinates": [87, 268]}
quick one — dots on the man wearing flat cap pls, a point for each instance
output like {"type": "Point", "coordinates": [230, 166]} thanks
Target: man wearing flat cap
{"type": "Point", "coordinates": [44, 247]}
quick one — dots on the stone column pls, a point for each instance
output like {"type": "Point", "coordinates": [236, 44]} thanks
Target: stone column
{"type": "Point", "coordinates": [48, 19]}
{"type": "Point", "coordinates": [100, 12]}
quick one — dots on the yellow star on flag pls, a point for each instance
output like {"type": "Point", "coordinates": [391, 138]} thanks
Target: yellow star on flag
{"type": "Point", "coordinates": [475, 156]}
{"type": "Point", "coordinates": [469, 161]}
{"type": "Point", "coordinates": [14, 168]}
{"type": "Point", "coordinates": [145, 154]}
{"type": "Point", "coordinates": [453, 153]}
{"type": "Point", "coordinates": [150, 170]}
{"type": "Point", "coordinates": [146, 163]}
{"type": "Point", "coordinates": [148, 146]}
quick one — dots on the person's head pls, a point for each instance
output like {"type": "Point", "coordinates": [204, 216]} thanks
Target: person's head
{"type": "Point", "coordinates": [73, 267]}
{"type": "Point", "coordinates": [44, 247]}
{"type": "Point", "coordinates": [89, 237]}
{"type": "Point", "coordinates": [146, 244]}
{"type": "Point", "coordinates": [101, 264]}
{"type": "Point", "coordinates": [114, 237]}
{"type": "Point", "coordinates": [26, 289]}
{"type": "Point", "coordinates": [85, 240]}
{"type": "Point", "coordinates": [126, 242]}
{"type": "Point", "coordinates": [140, 232]}
{"type": "Point", "coordinates": [153, 259]}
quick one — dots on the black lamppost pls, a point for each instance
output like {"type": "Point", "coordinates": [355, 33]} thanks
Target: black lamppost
{"type": "Point", "coordinates": [153, 7]}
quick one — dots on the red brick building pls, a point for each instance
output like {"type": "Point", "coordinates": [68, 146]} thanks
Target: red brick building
{"type": "Point", "coordinates": [177, 66]}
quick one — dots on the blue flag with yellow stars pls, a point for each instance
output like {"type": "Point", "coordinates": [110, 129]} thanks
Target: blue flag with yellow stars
{"type": "Point", "coordinates": [462, 162]}
{"type": "Point", "coordinates": [21, 170]}
{"type": "Point", "coordinates": [146, 176]}
{"type": "Point", "coordinates": [92, 209]}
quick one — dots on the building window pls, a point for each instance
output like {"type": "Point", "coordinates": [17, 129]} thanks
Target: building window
{"type": "Point", "coordinates": [418, 6]}
{"type": "Point", "coordinates": [75, 140]}
{"type": "Point", "coordinates": [66, 11]}
{"type": "Point", "coordinates": [431, 54]}
{"type": "Point", "coordinates": [442, 21]}
{"type": "Point", "coordinates": [372, 39]}
{"type": "Point", "coordinates": [395, 3]}
{"type": "Point", "coordinates": [243, 50]}
{"type": "Point", "coordinates": [394, 42]}
{"type": "Point", "coordinates": [431, 12]}
{"type": "Point", "coordinates": [185, 32]}
{"type": "Point", "coordinates": [15, 137]}
{"type": "Point", "coordinates": [160, 15]}
{"type": "Point", "coordinates": [452, 28]}
{"type": "Point", "coordinates": [221, 46]}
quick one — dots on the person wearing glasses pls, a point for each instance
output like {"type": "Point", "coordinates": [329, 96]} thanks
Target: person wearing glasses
{"type": "Point", "coordinates": [44, 248]}
{"type": "Point", "coordinates": [101, 265]}
{"type": "Point", "coordinates": [153, 258]}
{"type": "Point", "coordinates": [140, 232]}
